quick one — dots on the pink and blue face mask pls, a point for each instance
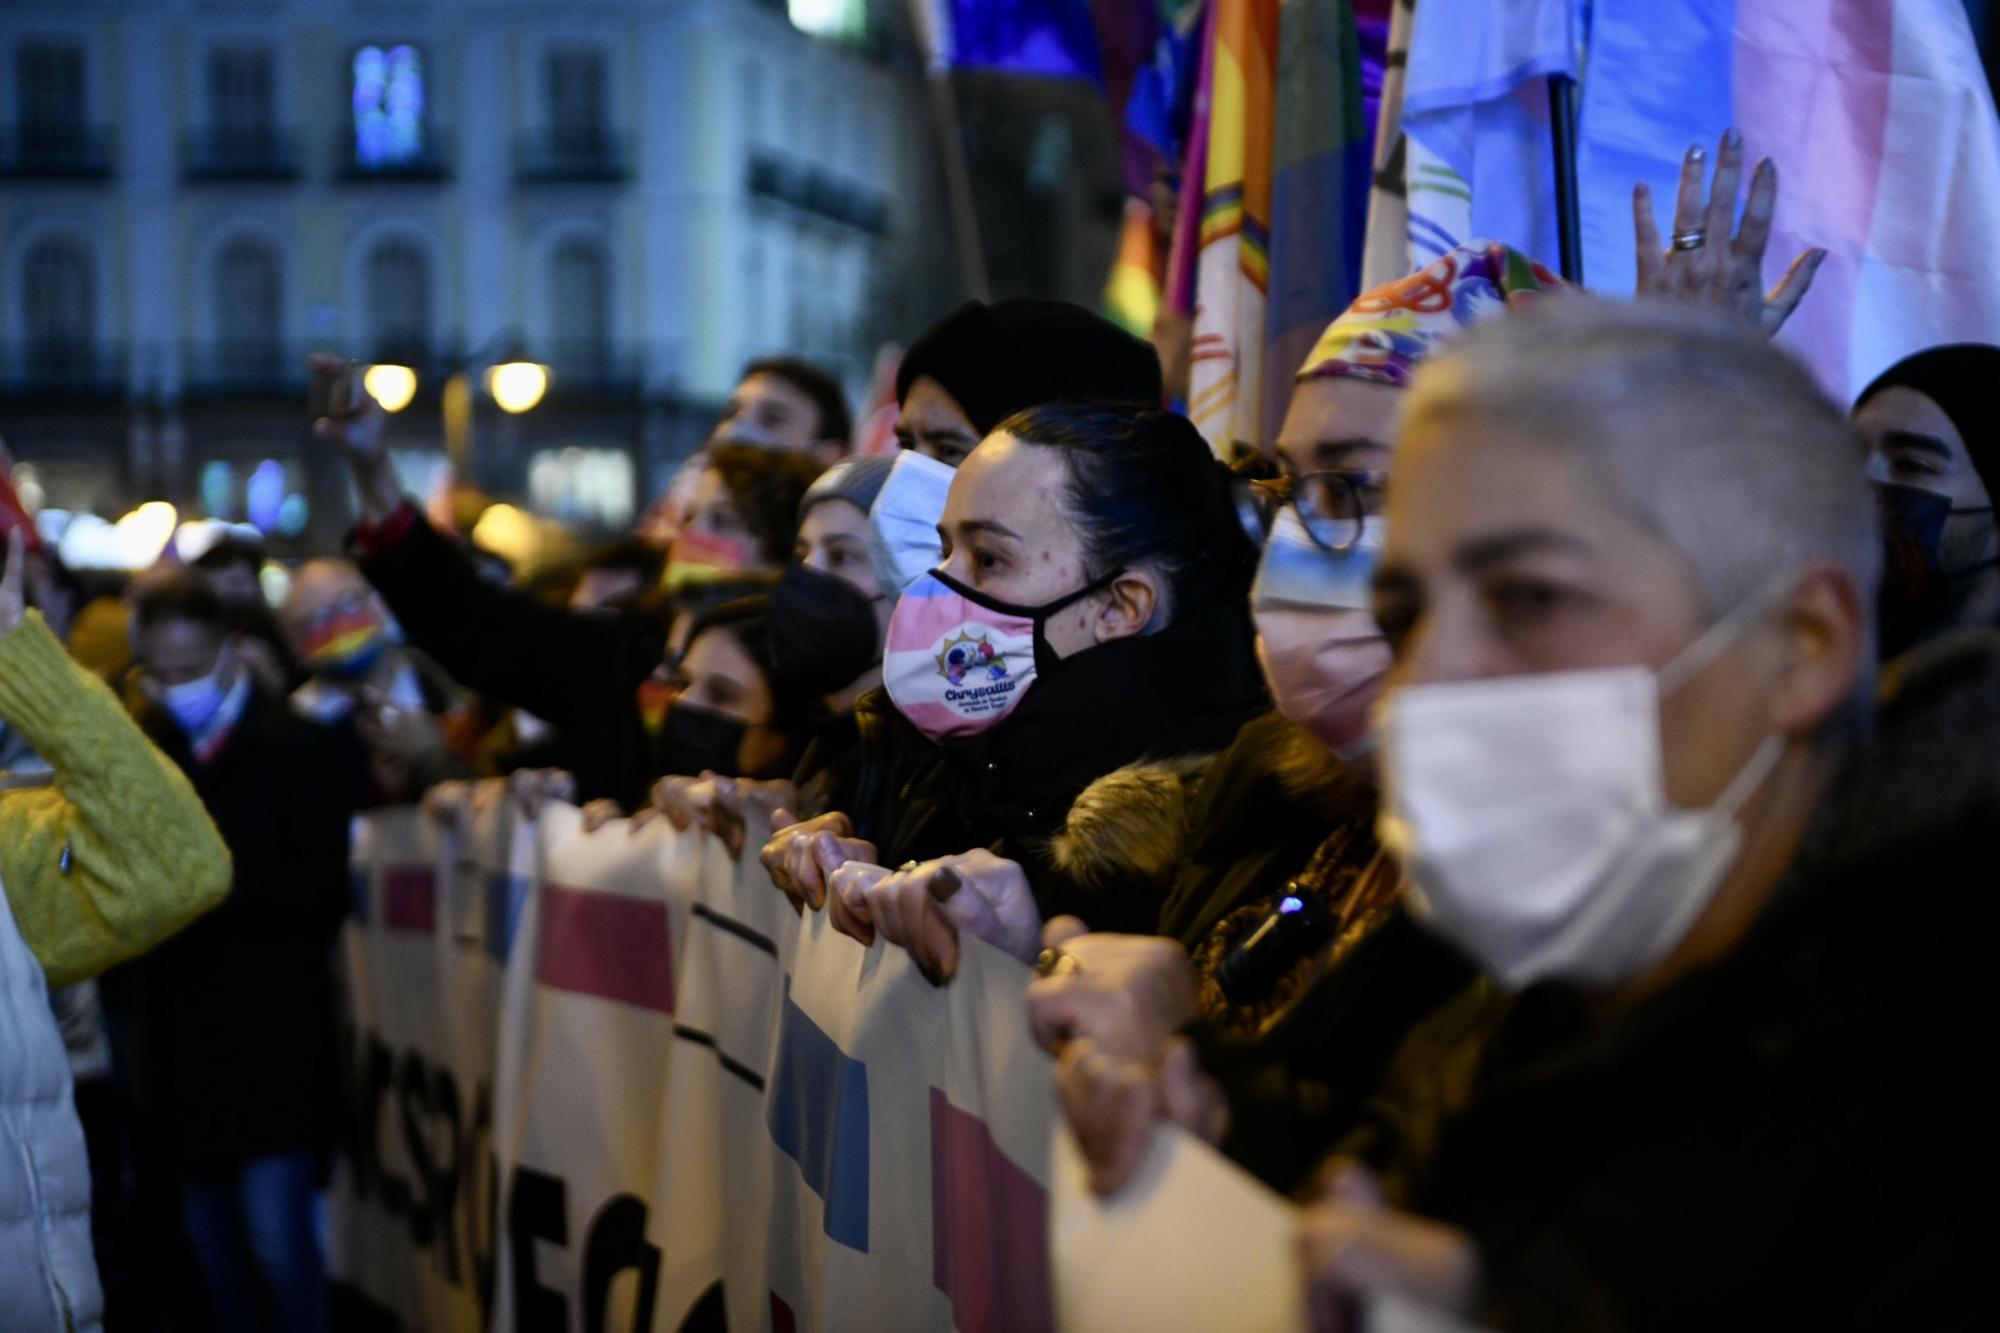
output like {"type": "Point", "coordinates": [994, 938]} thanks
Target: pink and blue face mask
{"type": "Point", "coordinates": [958, 661]}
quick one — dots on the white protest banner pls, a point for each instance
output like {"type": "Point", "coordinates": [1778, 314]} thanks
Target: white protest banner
{"type": "Point", "coordinates": [713, 1178]}
{"type": "Point", "coordinates": [413, 1203]}
{"type": "Point", "coordinates": [910, 1126]}
{"type": "Point", "coordinates": [1193, 1243]}
{"type": "Point", "coordinates": [700, 1103]}
{"type": "Point", "coordinates": [585, 1036]}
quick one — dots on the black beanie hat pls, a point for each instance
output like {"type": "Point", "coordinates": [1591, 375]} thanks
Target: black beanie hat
{"type": "Point", "coordinates": [997, 359]}
{"type": "Point", "coordinates": [1960, 378]}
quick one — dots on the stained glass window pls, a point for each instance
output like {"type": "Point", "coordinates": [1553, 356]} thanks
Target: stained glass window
{"type": "Point", "coordinates": [389, 105]}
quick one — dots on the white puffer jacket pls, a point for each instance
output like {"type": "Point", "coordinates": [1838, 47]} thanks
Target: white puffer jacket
{"type": "Point", "coordinates": [48, 1275]}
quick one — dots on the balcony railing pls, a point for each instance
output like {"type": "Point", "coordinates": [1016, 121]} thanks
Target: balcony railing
{"type": "Point", "coordinates": [592, 369]}
{"type": "Point", "coordinates": [428, 163]}
{"type": "Point", "coordinates": [223, 154]}
{"type": "Point", "coordinates": [563, 156]}
{"type": "Point", "coordinates": [257, 368]}
{"type": "Point", "coordinates": [55, 152]}
{"type": "Point", "coordinates": [807, 187]}
{"type": "Point", "coordinates": [65, 368]}
{"type": "Point", "coordinates": [580, 372]}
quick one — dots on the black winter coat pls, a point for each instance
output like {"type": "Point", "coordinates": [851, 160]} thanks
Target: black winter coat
{"type": "Point", "coordinates": [580, 673]}
{"type": "Point", "coordinates": [1793, 1138]}
{"type": "Point", "coordinates": [1186, 690]}
{"type": "Point", "coordinates": [1217, 843]}
{"type": "Point", "coordinates": [235, 1016]}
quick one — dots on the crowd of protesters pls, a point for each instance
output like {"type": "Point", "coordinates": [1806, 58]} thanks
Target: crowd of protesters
{"type": "Point", "coordinates": [1532, 816]}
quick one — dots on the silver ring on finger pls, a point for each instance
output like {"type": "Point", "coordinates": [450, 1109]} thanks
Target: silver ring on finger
{"type": "Point", "coordinates": [1692, 239]}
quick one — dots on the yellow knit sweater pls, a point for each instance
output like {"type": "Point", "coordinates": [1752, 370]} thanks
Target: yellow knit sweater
{"type": "Point", "coordinates": [117, 852]}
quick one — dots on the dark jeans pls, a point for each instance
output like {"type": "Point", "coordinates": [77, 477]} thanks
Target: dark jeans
{"type": "Point", "coordinates": [262, 1211]}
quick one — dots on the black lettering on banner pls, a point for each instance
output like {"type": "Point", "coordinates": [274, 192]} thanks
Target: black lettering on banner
{"type": "Point", "coordinates": [617, 1242]}
{"type": "Point", "coordinates": [446, 1179]}
{"type": "Point", "coordinates": [378, 1076]}
{"type": "Point", "coordinates": [537, 1209]}
{"type": "Point", "coordinates": [480, 1170]}
{"type": "Point", "coordinates": [414, 1098]}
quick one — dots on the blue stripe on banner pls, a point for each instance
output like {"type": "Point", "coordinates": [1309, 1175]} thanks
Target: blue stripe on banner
{"type": "Point", "coordinates": [505, 896]}
{"type": "Point", "coordinates": [358, 884]}
{"type": "Point", "coordinates": [819, 1118]}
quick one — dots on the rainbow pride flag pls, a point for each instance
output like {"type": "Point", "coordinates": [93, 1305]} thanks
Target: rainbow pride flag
{"type": "Point", "coordinates": [1232, 266]}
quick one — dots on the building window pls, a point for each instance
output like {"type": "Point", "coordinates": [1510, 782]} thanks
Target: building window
{"type": "Point", "coordinates": [573, 89]}
{"type": "Point", "coordinates": [49, 98]}
{"type": "Point", "coordinates": [242, 107]}
{"type": "Point", "coordinates": [390, 108]}
{"type": "Point", "coordinates": [580, 299]}
{"type": "Point", "coordinates": [59, 300]}
{"type": "Point", "coordinates": [249, 320]}
{"type": "Point", "coordinates": [399, 303]}
{"type": "Point", "coordinates": [845, 20]}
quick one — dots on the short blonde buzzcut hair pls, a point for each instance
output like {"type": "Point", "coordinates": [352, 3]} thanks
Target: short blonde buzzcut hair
{"type": "Point", "coordinates": [1721, 443]}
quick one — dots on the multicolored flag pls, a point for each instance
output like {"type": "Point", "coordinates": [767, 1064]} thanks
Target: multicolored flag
{"type": "Point", "coordinates": [1232, 269]}
{"type": "Point", "coordinates": [1132, 296]}
{"type": "Point", "coordinates": [1877, 114]}
{"type": "Point", "coordinates": [1319, 189]}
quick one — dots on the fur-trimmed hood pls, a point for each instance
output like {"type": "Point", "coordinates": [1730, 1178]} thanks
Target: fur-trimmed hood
{"type": "Point", "coordinates": [1143, 822]}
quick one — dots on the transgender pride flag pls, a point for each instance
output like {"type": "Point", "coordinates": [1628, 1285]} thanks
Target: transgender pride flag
{"type": "Point", "coordinates": [1877, 113]}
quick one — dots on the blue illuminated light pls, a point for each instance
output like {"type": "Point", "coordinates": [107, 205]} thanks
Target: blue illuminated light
{"type": "Point", "coordinates": [388, 106]}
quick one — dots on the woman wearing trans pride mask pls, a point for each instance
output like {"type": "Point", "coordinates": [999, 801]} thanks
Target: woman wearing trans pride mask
{"type": "Point", "coordinates": [1212, 850]}
{"type": "Point", "coordinates": [1087, 613]}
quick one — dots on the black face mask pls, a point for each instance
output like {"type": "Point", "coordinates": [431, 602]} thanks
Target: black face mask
{"type": "Point", "coordinates": [695, 740]}
{"type": "Point", "coordinates": [1917, 590]}
{"type": "Point", "coordinates": [823, 633]}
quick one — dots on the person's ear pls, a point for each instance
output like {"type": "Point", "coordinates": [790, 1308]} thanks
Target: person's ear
{"type": "Point", "coordinates": [1130, 604]}
{"type": "Point", "coordinates": [1826, 644]}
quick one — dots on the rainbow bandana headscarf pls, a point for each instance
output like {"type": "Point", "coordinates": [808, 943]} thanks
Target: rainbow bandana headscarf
{"type": "Point", "coordinates": [1387, 332]}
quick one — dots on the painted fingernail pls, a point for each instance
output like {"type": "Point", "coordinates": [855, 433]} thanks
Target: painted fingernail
{"type": "Point", "coordinates": [1694, 152]}
{"type": "Point", "coordinates": [1733, 138]}
{"type": "Point", "coordinates": [944, 884]}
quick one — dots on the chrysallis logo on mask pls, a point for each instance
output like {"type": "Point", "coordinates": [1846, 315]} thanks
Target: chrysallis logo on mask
{"type": "Point", "coordinates": [977, 684]}
{"type": "Point", "coordinates": [953, 667]}
{"type": "Point", "coordinates": [966, 656]}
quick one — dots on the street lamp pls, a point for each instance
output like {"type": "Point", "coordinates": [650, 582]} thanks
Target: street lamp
{"type": "Point", "coordinates": [391, 386]}
{"type": "Point", "coordinates": [517, 385]}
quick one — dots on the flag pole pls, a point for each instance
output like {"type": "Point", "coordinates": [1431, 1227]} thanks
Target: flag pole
{"type": "Point", "coordinates": [958, 184]}
{"type": "Point", "coordinates": [1562, 125]}
{"type": "Point", "coordinates": [933, 27]}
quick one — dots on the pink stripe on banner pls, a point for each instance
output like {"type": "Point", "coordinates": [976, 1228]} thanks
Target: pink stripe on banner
{"type": "Point", "coordinates": [409, 898]}
{"type": "Point", "coordinates": [602, 944]}
{"type": "Point", "coordinates": [989, 1229]}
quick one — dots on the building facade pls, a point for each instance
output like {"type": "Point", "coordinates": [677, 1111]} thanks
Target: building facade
{"type": "Point", "coordinates": [641, 194]}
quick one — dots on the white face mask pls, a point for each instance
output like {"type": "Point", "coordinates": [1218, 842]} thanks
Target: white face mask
{"type": "Point", "coordinates": [1531, 814]}
{"type": "Point", "coordinates": [903, 541]}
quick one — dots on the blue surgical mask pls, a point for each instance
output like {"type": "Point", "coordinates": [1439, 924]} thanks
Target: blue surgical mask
{"type": "Point", "coordinates": [193, 704]}
{"type": "Point", "coordinates": [903, 541]}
